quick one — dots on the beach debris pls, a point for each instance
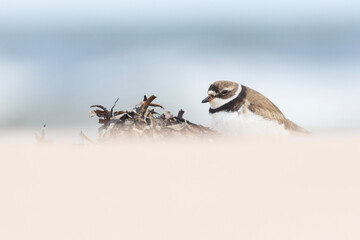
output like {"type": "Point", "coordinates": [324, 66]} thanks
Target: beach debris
{"type": "Point", "coordinates": [142, 121]}
{"type": "Point", "coordinates": [41, 138]}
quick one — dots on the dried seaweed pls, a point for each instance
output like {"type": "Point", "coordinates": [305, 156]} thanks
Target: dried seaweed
{"type": "Point", "coordinates": [142, 121]}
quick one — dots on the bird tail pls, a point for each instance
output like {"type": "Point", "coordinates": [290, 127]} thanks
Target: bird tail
{"type": "Point", "coordinates": [296, 129]}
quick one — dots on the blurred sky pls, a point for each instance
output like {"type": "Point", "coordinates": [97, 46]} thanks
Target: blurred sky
{"type": "Point", "coordinates": [59, 57]}
{"type": "Point", "coordinates": [163, 11]}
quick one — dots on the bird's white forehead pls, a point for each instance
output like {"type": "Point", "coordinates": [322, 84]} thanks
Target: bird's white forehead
{"type": "Point", "coordinates": [211, 92]}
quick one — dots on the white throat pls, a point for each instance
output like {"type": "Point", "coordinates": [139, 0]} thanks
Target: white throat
{"type": "Point", "coordinates": [218, 102]}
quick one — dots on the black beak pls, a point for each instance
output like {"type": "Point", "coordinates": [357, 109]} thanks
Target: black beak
{"type": "Point", "coordinates": [206, 99]}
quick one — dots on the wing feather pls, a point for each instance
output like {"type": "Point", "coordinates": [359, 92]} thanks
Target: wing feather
{"type": "Point", "coordinates": [262, 106]}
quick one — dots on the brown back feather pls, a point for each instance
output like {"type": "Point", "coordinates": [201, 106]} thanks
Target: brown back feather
{"type": "Point", "coordinates": [262, 106]}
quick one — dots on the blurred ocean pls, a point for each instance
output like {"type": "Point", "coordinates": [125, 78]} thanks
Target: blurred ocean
{"type": "Point", "coordinates": [52, 74]}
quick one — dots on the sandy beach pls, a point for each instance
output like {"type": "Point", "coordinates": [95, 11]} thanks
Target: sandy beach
{"type": "Point", "coordinates": [300, 188]}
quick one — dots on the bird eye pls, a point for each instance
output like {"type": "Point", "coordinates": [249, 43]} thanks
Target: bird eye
{"type": "Point", "coordinates": [224, 92]}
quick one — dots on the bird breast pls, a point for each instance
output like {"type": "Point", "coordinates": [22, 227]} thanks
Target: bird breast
{"type": "Point", "coordinates": [245, 121]}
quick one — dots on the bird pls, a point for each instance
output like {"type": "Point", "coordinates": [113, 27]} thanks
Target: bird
{"type": "Point", "coordinates": [236, 108]}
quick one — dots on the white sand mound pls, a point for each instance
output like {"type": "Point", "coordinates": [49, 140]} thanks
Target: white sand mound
{"type": "Point", "coordinates": [303, 188]}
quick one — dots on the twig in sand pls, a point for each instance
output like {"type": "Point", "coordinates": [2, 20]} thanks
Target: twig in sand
{"type": "Point", "coordinates": [41, 138]}
{"type": "Point", "coordinates": [86, 138]}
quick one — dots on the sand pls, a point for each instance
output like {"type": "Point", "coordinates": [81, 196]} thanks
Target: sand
{"type": "Point", "coordinates": [300, 188]}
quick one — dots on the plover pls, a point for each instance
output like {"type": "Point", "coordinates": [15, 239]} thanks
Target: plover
{"type": "Point", "coordinates": [236, 107]}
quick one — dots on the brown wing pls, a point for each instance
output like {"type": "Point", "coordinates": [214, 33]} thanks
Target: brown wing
{"type": "Point", "coordinates": [262, 106]}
